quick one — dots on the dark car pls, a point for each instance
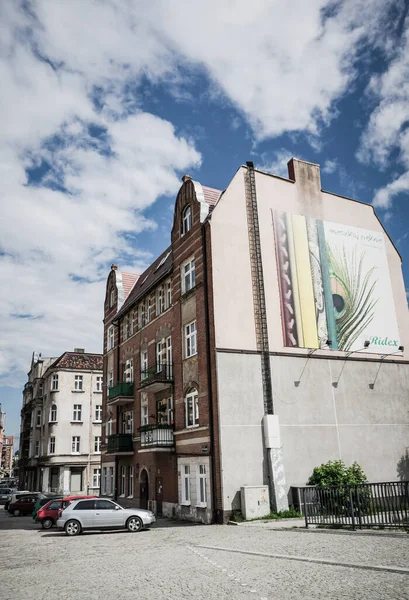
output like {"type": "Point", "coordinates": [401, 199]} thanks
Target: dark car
{"type": "Point", "coordinates": [22, 506]}
{"type": "Point", "coordinates": [15, 496]}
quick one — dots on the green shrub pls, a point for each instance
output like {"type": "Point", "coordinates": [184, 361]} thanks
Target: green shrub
{"type": "Point", "coordinates": [336, 473]}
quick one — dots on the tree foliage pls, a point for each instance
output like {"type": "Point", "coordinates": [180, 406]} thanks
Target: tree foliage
{"type": "Point", "coordinates": [336, 473]}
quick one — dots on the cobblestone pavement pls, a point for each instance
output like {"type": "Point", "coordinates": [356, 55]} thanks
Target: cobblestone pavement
{"type": "Point", "coordinates": [176, 561]}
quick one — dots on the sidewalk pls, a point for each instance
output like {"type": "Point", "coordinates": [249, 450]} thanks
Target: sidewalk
{"type": "Point", "coordinates": [272, 523]}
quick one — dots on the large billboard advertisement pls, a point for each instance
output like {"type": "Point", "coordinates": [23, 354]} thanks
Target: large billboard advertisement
{"type": "Point", "coordinates": [334, 286]}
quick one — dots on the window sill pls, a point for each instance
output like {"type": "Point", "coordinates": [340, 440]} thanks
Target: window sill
{"type": "Point", "coordinates": [185, 503]}
{"type": "Point", "coordinates": [201, 505]}
{"type": "Point", "coordinates": [52, 422]}
{"type": "Point", "coordinates": [77, 422]}
{"type": "Point", "coordinates": [97, 391]}
{"type": "Point", "coordinates": [52, 391]}
{"type": "Point", "coordinates": [189, 427]}
{"type": "Point", "coordinates": [78, 391]}
{"type": "Point", "coordinates": [95, 452]}
{"type": "Point", "coordinates": [191, 356]}
{"type": "Point", "coordinates": [129, 497]}
{"type": "Point", "coordinates": [97, 422]}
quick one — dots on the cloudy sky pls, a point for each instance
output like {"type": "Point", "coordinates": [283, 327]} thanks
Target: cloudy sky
{"type": "Point", "coordinates": [104, 104]}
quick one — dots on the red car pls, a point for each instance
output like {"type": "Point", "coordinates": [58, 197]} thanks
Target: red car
{"type": "Point", "coordinates": [23, 505]}
{"type": "Point", "coordinates": [47, 514]}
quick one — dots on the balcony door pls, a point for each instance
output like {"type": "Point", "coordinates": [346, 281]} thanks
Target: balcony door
{"type": "Point", "coordinates": [143, 489]}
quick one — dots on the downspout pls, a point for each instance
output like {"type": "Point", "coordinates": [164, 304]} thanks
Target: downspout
{"type": "Point", "coordinates": [209, 370]}
{"type": "Point", "coordinates": [89, 434]}
{"type": "Point", "coordinates": [117, 413]}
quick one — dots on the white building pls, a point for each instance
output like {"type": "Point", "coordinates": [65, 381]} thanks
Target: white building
{"type": "Point", "coordinates": [60, 444]}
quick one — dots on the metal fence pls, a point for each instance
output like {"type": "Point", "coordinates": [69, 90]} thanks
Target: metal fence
{"type": "Point", "coordinates": [366, 505]}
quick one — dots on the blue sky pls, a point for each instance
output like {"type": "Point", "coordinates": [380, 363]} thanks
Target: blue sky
{"type": "Point", "coordinates": [105, 105]}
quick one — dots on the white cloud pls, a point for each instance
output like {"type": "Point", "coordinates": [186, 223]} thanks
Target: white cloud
{"type": "Point", "coordinates": [277, 165]}
{"type": "Point", "coordinates": [330, 166]}
{"type": "Point", "coordinates": [387, 130]}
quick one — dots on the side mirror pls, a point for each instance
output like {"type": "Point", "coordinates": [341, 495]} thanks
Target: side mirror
{"type": "Point", "coordinates": [117, 508]}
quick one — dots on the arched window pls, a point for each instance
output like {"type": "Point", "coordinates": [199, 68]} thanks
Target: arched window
{"type": "Point", "coordinates": [192, 408]}
{"type": "Point", "coordinates": [186, 220]}
{"type": "Point", "coordinates": [53, 413]}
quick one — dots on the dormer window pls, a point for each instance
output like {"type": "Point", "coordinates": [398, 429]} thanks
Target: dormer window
{"type": "Point", "coordinates": [186, 220]}
{"type": "Point", "coordinates": [111, 298]}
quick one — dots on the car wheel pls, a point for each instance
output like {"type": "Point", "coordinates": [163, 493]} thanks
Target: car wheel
{"type": "Point", "coordinates": [72, 527]}
{"type": "Point", "coordinates": [134, 524]}
{"type": "Point", "coordinates": [16, 512]}
{"type": "Point", "coordinates": [47, 523]}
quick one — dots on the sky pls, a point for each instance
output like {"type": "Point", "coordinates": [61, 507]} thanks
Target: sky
{"type": "Point", "coordinates": [105, 104]}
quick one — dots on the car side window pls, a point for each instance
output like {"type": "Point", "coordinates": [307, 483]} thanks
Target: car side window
{"type": "Point", "coordinates": [54, 506]}
{"type": "Point", "coordinates": [105, 505]}
{"type": "Point", "coordinates": [85, 505]}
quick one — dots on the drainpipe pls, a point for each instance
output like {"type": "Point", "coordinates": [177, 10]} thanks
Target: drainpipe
{"type": "Point", "coordinates": [118, 363]}
{"type": "Point", "coordinates": [209, 371]}
{"type": "Point", "coordinates": [89, 435]}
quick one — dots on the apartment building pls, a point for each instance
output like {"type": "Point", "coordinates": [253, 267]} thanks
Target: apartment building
{"type": "Point", "coordinates": [60, 440]}
{"type": "Point", "coordinates": [268, 338]}
{"type": "Point", "coordinates": [7, 455]}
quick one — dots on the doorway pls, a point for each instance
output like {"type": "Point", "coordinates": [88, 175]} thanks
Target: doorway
{"type": "Point", "coordinates": [143, 489]}
{"type": "Point", "coordinates": [76, 479]}
{"type": "Point", "coordinates": [159, 496]}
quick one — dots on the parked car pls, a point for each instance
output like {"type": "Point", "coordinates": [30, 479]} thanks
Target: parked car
{"type": "Point", "coordinates": [14, 496]}
{"type": "Point", "coordinates": [5, 494]}
{"type": "Point", "coordinates": [42, 502]}
{"type": "Point", "coordinates": [23, 505]}
{"type": "Point", "coordinates": [47, 515]}
{"type": "Point", "coordinates": [102, 514]}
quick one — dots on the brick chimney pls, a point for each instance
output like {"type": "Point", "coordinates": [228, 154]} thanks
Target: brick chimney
{"type": "Point", "coordinates": [186, 178]}
{"type": "Point", "coordinates": [114, 267]}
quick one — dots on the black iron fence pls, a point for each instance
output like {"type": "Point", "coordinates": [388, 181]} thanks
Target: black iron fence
{"type": "Point", "coordinates": [365, 505]}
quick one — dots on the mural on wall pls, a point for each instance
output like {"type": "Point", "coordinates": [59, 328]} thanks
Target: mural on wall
{"type": "Point", "coordinates": [334, 286]}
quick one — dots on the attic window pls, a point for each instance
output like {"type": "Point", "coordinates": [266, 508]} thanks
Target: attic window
{"type": "Point", "coordinates": [162, 261]}
{"type": "Point", "coordinates": [111, 298]}
{"type": "Point", "coordinates": [186, 220]}
{"type": "Point", "coordinates": [145, 278]}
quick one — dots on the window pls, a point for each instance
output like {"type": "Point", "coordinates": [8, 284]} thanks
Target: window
{"type": "Point", "coordinates": [159, 356]}
{"type": "Point", "coordinates": [96, 478]}
{"type": "Point", "coordinates": [128, 371]}
{"type": "Point", "coordinates": [130, 481]}
{"type": "Point", "coordinates": [97, 444]}
{"type": "Point", "coordinates": [110, 337]}
{"type": "Point", "coordinates": [160, 300]}
{"type": "Point", "coordinates": [51, 445]}
{"type": "Point", "coordinates": [125, 328]}
{"type": "Point", "coordinates": [148, 309]}
{"type": "Point", "coordinates": [38, 417]}
{"type": "Point", "coordinates": [186, 220]}
{"type": "Point", "coordinates": [75, 445]}
{"type": "Point", "coordinates": [85, 505]}
{"type": "Point", "coordinates": [188, 276]}
{"type": "Point", "coordinates": [201, 483]}
{"type": "Point", "coordinates": [37, 448]}
{"type": "Point", "coordinates": [98, 383]}
{"type": "Point", "coordinates": [168, 294]}
{"type": "Point", "coordinates": [77, 413]}
{"type": "Point", "coordinates": [192, 409]}
{"type": "Point", "coordinates": [110, 379]}
{"type": "Point", "coordinates": [130, 323]}
{"type": "Point", "coordinates": [185, 484]}
{"type": "Point", "coordinates": [111, 298]}
{"type": "Point", "coordinates": [105, 505]}
{"type": "Point", "coordinates": [54, 382]}
{"type": "Point", "coordinates": [144, 415]}
{"type": "Point", "coordinates": [98, 412]}
{"type": "Point", "coordinates": [40, 388]}
{"type": "Point", "coordinates": [190, 339]}
{"type": "Point", "coordinates": [127, 421]}
{"type": "Point", "coordinates": [144, 364]}
{"type": "Point", "coordinates": [109, 426]}
{"type": "Point", "coordinates": [123, 480]}
{"type": "Point", "coordinates": [141, 316]}
{"type": "Point", "coordinates": [55, 505]}
{"type": "Point", "coordinates": [165, 411]}
{"type": "Point", "coordinates": [111, 480]}
{"type": "Point", "coordinates": [169, 356]}
{"type": "Point", "coordinates": [53, 413]}
{"type": "Point", "coordinates": [104, 481]}
{"type": "Point", "coordinates": [78, 387]}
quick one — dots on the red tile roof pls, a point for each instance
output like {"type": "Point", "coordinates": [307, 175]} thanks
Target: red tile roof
{"type": "Point", "coordinates": [128, 281]}
{"type": "Point", "coordinates": [211, 195]}
{"type": "Point", "coordinates": [78, 360]}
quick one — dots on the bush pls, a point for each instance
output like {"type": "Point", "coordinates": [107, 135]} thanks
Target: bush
{"type": "Point", "coordinates": [336, 473]}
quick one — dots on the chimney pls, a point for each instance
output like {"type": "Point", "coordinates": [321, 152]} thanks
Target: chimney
{"type": "Point", "coordinates": [307, 179]}
{"type": "Point", "coordinates": [79, 350]}
{"type": "Point", "coordinates": [186, 178]}
{"type": "Point", "coordinates": [114, 267]}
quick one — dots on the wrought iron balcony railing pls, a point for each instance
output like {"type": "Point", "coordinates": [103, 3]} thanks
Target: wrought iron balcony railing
{"type": "Point", "coordinates": [119, 442]}
{"type": "Point", "coordinates": [121, 389]}
{"type": "Point", "coordinates": [159, 373]}
{"type": "Point", "coordinates": [157, 435]}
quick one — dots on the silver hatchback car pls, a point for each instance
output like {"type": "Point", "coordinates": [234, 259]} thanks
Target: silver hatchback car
{"type": "Point", "coordinates": [100, 513]}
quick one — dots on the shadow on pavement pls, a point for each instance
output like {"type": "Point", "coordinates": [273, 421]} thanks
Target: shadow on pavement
{"type": "Point", "coordinates": [8, 522]}
{"type": "Point", "coordinates": [366, 533]}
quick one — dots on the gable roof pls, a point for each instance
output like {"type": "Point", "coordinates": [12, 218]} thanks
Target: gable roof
{"type": "Point", "coordinates": [78, 360]}
{"type": "Point", "coordinates": [211, 195]}
{"type": "Point", "coordinates": [128, 281]}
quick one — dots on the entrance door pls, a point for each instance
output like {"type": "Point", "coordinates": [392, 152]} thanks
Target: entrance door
{"type": "Point", "coordinates": [144, 490]}
{"type": "Point", "coordinates": [159, 496]}
{"type": "Point", "coordinates": [76, 479]}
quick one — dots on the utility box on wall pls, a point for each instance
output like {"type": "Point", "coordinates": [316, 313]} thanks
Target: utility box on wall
{"type": "Point", "coordinates": [255, 501]}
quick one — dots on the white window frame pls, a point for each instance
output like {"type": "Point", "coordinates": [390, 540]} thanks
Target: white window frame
{"type": "Point", "coordinates": [108, 426]}
{"type": "Point", "coordinates": [53, 413]}
{"type": "Point", "coordinates": [98, 413]}
{"type": "Point", "coordinates": [188, 275]}
{"type": "Point", "coordinates": [190, 339]}
{"type": "Point", "coordinates": [98, 383]}
{"type": "Point", "coordinates": [168, 292]}
{"type": "Point", "coordinates": [125, 327]}
{"type": "Point", "coordinates": [127, 421]}
{"type": "Point", "coordinates": [148, 309]}
{"type": "Point", "coordinates": [144, 415]}
{"type": "Point", "coordinates": [123, 481]}
{"type": "Point", "coordinates": [201, 485]}
{"type": "Point", "coordinates": [54, 382]}
{"type": "Point", "coordinates": [79, 383]}
{"type": "Point", "coordinates": [96, 478]}
{"type": "Point", "coordinates": [104, 481]}
{"type": "Point", "coordinates": [186, 219]}
{"type": "Point", "coordinates": [129, 371]}
{"type": "Point", "coordinates": [110, 337]}
{"type": "Point", "coordinates": [130, 481]}
{"type": "Point", "coordinates": [97, 444]}
{"type": "Point", "coordinates": [110, 381]}
{"type": "Point", "coordinates": [141, 315]}
{"type": "Point", "coordinates": [77, 413]}
{"type": "Point", "coordinates": [168, 343]}
{"type": "Point", "coordinates": [160, 300]}
{"type": "Point", "coordinates": [192, 407]}
{"type": "Point", "coordinates": [111, 481]}
{"type": "Point", "coordinates": [51, 445]}
{"type": "Point", "coordinates": [75, 444]}
{"type": "Point", "coordinates": [185, 476]}
{"type": "Point", "coordinates": [130, 324]}
{"type": "Point", "coordinates": [144, 365]}
{"type": "Point", "coordinates": [159, 356]}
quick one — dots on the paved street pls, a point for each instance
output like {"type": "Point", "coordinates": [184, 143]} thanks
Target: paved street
{"type": "Point", "coordinates": [174, 561]}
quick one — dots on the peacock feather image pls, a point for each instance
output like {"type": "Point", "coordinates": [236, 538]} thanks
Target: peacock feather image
{"type": "Point", "coordinates": [353, 294]}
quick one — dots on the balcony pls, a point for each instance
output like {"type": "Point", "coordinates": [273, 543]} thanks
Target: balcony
{"type": "Point", "coordinates": [121, 393]}
{"type": "Point", "coordinates": [156, 378]}
{"type": "Point", "coordinates": [120, 443]}
{"type": "Point", "coordinates": [157, 436]}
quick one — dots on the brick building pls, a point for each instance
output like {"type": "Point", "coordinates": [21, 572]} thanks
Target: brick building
{"type": "Point", "coordinates": [238, 356]}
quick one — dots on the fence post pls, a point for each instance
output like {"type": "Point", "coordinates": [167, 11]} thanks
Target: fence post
{"type": "Point", "coordinates": [359, 507]}
{"type": "Point", "coordinates": [305, 508]}
{"type": "Point", "coordinates": [351, 501]}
